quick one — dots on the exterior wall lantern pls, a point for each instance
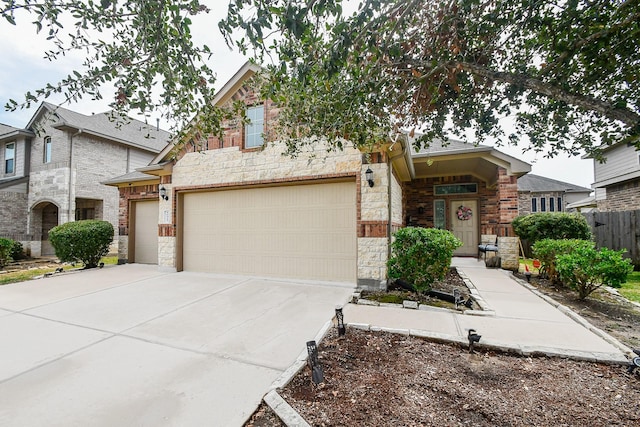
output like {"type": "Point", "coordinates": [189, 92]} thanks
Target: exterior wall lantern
{"type": "Point", "coordinates": [369, 176]}
{"type": "Point", "coordinates": [163, 193]}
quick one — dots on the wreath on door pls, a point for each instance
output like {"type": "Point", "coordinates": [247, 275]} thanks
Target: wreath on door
{"type": "Point", "coordinates": [464, 213]}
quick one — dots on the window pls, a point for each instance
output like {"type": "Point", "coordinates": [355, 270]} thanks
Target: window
{"type": "Point", "coordinates": [441, 190]}
{"type": "Point", "coordinates": [439, 218]}
{"type": "Point", "coordinates": [552, 206]}
{"type": "Point", "coordinates": [47, 149]}
{"type": "Point", "coordinates": [10, 158]}
{"type": "Point", "coordinates": [559, 204]}
{"type": "Point", "coordinates": [534, 204]}
{"type": "Point", "coordinates": [543, 204]}
{"type": "Point", "coordinates": [254, 129]}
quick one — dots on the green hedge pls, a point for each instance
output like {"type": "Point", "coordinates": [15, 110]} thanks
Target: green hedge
{"type": "Point", "coordinates": [552, 225]}
{"type": "Point", "coordinates": [84, 241]}
{"type": "Point", "coordinates": [421, 255]}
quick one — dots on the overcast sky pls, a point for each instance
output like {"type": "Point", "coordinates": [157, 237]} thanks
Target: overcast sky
{"type": "Point", "coordinates": [23, 68]}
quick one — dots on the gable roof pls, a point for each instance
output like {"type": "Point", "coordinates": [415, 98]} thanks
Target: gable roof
{"type": "Point", "coordinates": [224, 94]}
{"type": "Point", "coordinates": [8, 132]}
{"type": "Point", "coordinates": [128, 131]}
{"type": "Point", "coordinates": [537, 184]}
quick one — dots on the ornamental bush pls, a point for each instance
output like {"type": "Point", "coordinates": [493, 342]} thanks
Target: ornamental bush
{"type": "Point", "coordinates": [586, 269]}
{"type": "Point", "coordinates": [546, 251]}
{"type": "Point", "coordinates": [421, 255]}
{"type": "Point", "coordinates": [551, 225]}
{"type": "Point", "coordinates": [6, 248]}
{"type": "Point", "coordinates": [82, 241]}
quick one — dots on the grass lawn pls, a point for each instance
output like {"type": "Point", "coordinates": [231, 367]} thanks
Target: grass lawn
{"type": "Point", "coordinates": [22, 275]}
{"type": "Point", "coordinates": [631, 289]}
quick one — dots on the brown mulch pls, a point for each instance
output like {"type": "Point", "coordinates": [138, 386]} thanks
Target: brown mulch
{"type": "Point", "coordinates": [379, 379]}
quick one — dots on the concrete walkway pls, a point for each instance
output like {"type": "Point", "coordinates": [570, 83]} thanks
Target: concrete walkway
{"type": "Point", "coordinates": [517, 318]}
{"type": "Point", "coordinates": [132, 346]}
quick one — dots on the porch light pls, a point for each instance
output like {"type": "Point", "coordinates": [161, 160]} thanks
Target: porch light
{"type": "Point", "coordinates": [163, 193]}
{"type": "Point", "coordinates": [340, 319]}
{"type": "Point", "coordinates": [369, 176]}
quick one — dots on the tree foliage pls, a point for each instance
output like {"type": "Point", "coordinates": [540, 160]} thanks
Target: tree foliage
{"type": "Point", "coordinates": [567, 73]}
{"type": "Point", "coordinates": [144, 48]}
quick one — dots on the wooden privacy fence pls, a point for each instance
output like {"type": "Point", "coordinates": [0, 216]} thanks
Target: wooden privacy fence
{"type": "Point", "coordinates": [616, 230]}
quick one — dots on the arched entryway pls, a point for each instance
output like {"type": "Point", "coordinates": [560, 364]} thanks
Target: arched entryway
{"type": "Point", "coordinates": [44, 216]}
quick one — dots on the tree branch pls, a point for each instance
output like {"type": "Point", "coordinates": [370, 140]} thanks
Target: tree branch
{"type": "Point", "coordinates": [624, 115]}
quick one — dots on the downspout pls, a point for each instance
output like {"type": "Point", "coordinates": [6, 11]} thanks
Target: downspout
{"type": "Point", "coordinates": [72, 216]}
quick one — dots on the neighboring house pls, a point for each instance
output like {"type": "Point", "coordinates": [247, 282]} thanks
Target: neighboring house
{"type": "Point", "coordinates": [539, 194]}
{"type": "Point", "coordinates": [241, 207]}
{"type": "Point", "coordinates": [15, 149]}
{"type": "Point", "coordinates": [617, 180]}
{"type": "Point", "coordinates": [60, 159]}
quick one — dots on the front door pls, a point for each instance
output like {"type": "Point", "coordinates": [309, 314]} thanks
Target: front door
{"type": "Point", "coordinates": [464, 225]}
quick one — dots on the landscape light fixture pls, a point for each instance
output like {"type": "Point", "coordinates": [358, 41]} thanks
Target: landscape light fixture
{"type": "Point", "coordinates": [340, 318]}
{"type": "Point", "coordinates": [473, 339]}
{"type": "Point", "coordinates": [369, 176]}
{"type": "Point", "coordinates": [163, 193]}
{"type": "Point", "coordinates": [316, 370]}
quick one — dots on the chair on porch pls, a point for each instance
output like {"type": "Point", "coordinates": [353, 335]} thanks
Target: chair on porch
{"type": "Point", "coordinates": [488, 243]}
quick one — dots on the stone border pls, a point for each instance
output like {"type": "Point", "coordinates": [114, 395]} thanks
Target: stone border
{"type": "Point", "coordinates": [575, 317]}
{"type": "Point", "coordinates": [485, 309]}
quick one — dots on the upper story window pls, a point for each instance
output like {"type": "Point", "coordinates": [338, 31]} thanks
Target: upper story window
{"type": "Point", "coordinates": [543, 204]}
{"type": "Point", "coordinates": [47, 149]}
{"type": "Point", "coordinates": [534, 204]}
{"type": "Point", "coordinates": [559, 204]}
{"type": "Point", "coordinates": [254, 129]}
{"type": "Point", "coordinates": [10, 158]}
{"type": "Point", "coordinates": [552, 204]}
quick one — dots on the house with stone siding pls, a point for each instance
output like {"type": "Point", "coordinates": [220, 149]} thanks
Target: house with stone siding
{"type": "Point", "coordinates": [541, 194]}
{"type": "Point", "coordinates": [52, 170]}
{"type": "Point", "coordinates": [617, 180]}
{"type": "Point", "coordinates": [239, 205]}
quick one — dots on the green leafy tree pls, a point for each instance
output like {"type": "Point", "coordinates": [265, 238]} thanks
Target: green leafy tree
{"type": "Point", "coordinates": [85, 241]}
{"type": "Point", "coordinates": [421, 255]}
{"type": "Point", "coordinates": [566, 72]}
{"type": "Point", "coordinates": [586, 269]}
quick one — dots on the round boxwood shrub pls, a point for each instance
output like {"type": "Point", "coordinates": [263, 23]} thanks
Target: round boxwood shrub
{"type": "Point", "coordinates": [84, 241]}
{"type": "Point", "coordinates": [421, 255]}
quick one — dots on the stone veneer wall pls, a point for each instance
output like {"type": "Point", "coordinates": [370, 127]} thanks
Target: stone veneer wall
{"type": "Point", "coordinates": [236, 167]}
{"type": "Point", "coordinates": [621, 197]}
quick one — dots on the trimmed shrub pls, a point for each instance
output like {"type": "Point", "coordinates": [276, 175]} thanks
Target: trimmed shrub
{"type": "Point", "coordinates": [551, 225]}
{"type": "Point", "coordinates": [17, 251]}
{"type": "Point", "coordinates": [546, 250]}
{"type": "Point", "coordinates": [586, 269]}
{"type": "Point", "coordinates": [84, 241]}
{"type": "Point", "coordinates": [421, 255]}
{"type": "Point", "coordinates": [6, 248]}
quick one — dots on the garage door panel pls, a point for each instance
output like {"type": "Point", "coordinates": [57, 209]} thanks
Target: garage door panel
{"type": "Point", "coordinates": [304, 231]}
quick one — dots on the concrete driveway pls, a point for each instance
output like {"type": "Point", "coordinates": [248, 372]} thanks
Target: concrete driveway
{"type": "Point", "coordinates": [132, 346]}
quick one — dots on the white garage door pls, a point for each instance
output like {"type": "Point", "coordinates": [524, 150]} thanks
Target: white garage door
{"type": "Point", "coordinates": [146, 232]}
{"type": "Point", "coordinates": [301, 231]}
